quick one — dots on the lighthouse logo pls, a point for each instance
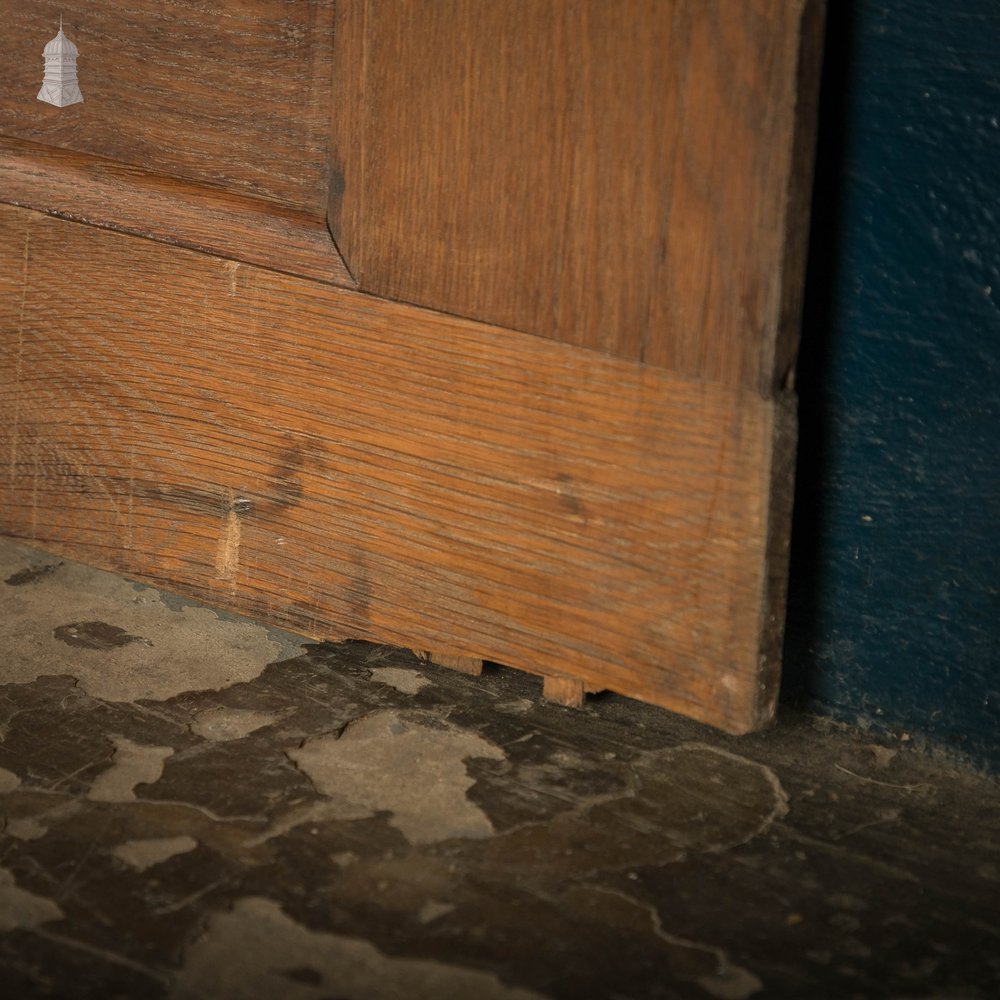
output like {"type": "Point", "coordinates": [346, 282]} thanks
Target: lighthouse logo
{"type": "Point", "coordinates": [60, 86]}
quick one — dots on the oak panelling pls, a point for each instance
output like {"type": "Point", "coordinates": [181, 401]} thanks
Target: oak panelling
{"type": "Point", "coordinates": [340, 464]}
{"type": "Point", "coordinates": [234, 95]}
{"type": "Point", "coordinates": [610, 175]}
{"type": "Point", "coordinates": [113, 196]}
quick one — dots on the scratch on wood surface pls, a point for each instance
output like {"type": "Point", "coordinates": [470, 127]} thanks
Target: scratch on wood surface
{"type": "Point", "coordinates": [233, 267]}
{"type": "Point", "coordinates": [36, 474]}
{"type": "Point", "coordinates": [251, 292]}
{"type": "Point", "coordinates": [130, 513]}
{"type": "Point", "coordinates": [227, 557]}
{"type": "Point", "coordinates": [19, 362]}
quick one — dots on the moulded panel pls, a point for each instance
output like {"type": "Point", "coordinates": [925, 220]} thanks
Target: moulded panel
{"type": "Point", "coordinates": [234, 95]}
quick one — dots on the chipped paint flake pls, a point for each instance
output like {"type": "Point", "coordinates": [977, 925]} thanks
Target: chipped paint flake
{"type": "Point", "coordinates": [433, 910]}
{"type": "Point", "coordinates": [20, 909]}
{"type": "Point", "coordinates": [143, 854]}
{"type": "Point", "coordinates": [406, 681]}
{"type": "Point", "coordinates": [132, 765]}
{"type": "Point", "coordinates": [222, 724]}
{"type": "Point", "coordinates": [25, 828]}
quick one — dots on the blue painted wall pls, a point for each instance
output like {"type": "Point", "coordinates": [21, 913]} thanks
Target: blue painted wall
{"type": "Point", "coordinates": [893, 610]}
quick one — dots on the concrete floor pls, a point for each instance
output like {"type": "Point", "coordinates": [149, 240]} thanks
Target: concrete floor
{"type": "Point", "coordinates": [196, 806]}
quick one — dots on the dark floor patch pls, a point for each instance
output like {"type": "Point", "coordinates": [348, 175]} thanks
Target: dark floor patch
{"type": "Point", "coordinates": [31, 575]}
{"type": "Point", "coordinates": [96, 635]}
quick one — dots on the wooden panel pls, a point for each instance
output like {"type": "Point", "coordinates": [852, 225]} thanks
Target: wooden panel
{"type": "Point", "coordinates": [612, 175]}
{"type": "Point", "coordinates": [340, 464]}
{"type": "Point", "coordinates": [108, 194]}
{"type": "Point", "coordinates": [232, 95]}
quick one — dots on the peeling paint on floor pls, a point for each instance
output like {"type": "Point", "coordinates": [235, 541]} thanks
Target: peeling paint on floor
{"type": "Point", "coordinates": [61, 618]}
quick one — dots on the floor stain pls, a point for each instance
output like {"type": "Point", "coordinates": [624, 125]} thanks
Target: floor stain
{"type": "Point", "coordinates": [143, 854]}
{"type": "Point", "coordinates": [31, 574]}
{"type": "Point", "coordinates": [95, 635]}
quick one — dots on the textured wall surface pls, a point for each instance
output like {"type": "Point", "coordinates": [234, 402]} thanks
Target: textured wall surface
{"type": "Point", "coordinates": [894, 611]}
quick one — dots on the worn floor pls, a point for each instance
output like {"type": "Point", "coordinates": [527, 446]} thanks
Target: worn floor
{"type": "Point", "coordinates": [195, 806]}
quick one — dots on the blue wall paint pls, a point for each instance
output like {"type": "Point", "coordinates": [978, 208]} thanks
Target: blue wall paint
{"type": "Point", "coordinates": [893, 609]}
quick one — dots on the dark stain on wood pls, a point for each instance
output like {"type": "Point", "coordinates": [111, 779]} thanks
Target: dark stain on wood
{"type": "Point", "coordinates": [285, 479]}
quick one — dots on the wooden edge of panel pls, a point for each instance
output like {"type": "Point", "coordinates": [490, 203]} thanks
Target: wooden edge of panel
{"type": "Point", "coordinates": [777, 554]}
{"type": "Point", "coordinates": [778, 371]}
{"type": "Point", "coordinates": [110, 195]}
{"type": "Point", "coordinates": [340, 465]}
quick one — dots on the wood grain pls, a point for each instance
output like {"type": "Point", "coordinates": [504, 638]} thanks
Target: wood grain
{"type": "Point", "coordinates": [114, 196]}
{"type": "Point", "coordinates": [340, 464]}
{"type": "Point", "coordinates": [624, 176]}
{"type": "Point", "coordinates": [235, 96]}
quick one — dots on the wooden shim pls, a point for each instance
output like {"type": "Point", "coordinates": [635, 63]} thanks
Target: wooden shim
{"type": "Point", "coordinates": [339, 464]}
{"type": "Point", "coordinates": [566, 691]}
{"type": "Point", "coordinates": [471, 665]}
{"type": "Point", "coordinates": [113, 196]}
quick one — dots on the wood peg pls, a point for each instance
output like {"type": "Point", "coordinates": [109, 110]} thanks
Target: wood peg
{"type": "Point", "coordinates": [567, 691]}
{"type": "Point", "coordinates": [470, 665]}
